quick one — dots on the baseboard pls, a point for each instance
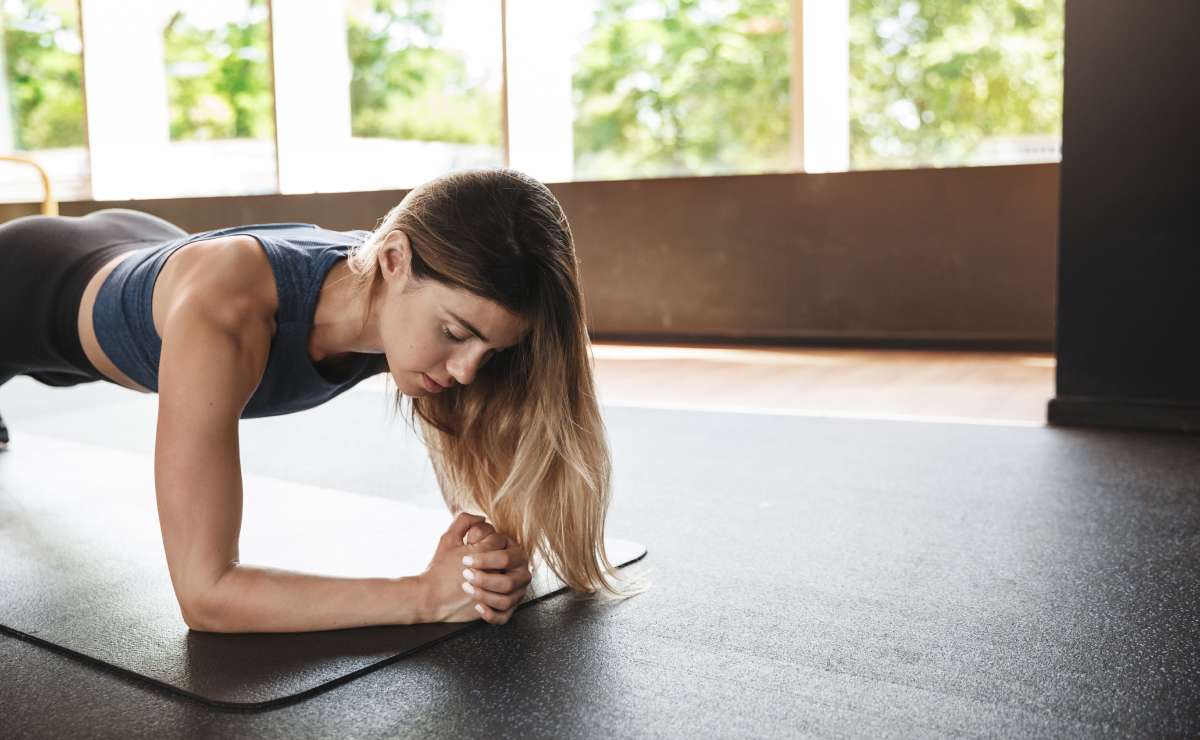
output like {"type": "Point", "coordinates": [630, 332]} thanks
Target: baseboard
{"type": "Point", "coordinates": [829, 341]}
{"type": "Point", "coordinates": [1162, 416]}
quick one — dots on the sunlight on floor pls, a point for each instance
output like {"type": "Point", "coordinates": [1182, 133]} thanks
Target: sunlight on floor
{"type": "Point", "coordinates": [919, 385]}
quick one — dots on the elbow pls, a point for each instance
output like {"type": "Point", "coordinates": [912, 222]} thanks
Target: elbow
{"type": "Point", "coordinates": [201, 610]}
{"type": "Point", "coordinates": [197, 615]}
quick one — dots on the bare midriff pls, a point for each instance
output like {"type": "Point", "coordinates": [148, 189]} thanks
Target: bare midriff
{"type": "Point", "coordinates": [87, 334]}
{"type": "Point", "coordinates": [174, 275]}
{"type": "Point", "coordinates": [174, 272]}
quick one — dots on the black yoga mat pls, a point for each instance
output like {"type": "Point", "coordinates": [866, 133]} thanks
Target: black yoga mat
{"type": "Point", "coordinates": [809, 577]}
{"type": "Point", "coordinates": [84, 572]}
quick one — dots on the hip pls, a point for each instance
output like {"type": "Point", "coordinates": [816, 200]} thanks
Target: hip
{"type": "Point", "coordinates": [49, 267]}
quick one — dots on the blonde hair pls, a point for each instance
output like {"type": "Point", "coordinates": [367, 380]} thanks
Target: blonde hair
{"type": "Point", "coordinates": [524, 443]}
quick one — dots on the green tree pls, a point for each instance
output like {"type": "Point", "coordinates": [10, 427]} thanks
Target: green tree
{"type": "Point", "coordinates": [695, 88]}
{"type": "Point", "coordinates": [692, 91]}
{"type": "Point", "coordinates": [696, 91]}
{"type": "Point", "coordinates": [44, 73]}
{"type": "Point", "coordinates": [930, 79]}
{"type": "Point", "coordinates": [218, 79]}
{"type": "Point", "coordinates": [404, 85]}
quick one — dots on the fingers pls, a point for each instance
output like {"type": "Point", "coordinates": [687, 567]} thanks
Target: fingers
{"type": "Point", "coordinates": [492, 616]}
{"type": "Point", "coordinates": [499, 583]}
{"type": "Point", "coordinates": [460, 525]}
{"type": "Point", "coordinates": [480, 531]}
{"type": "Point", "coordinates": [494, 541]}
{"type": "Point", "coordinates": [506, 559]}
{"type": "Point", "coordinates": [499, 604]}
{"type": "Point", "coordinates": [495, 601]}
{"type": "Point", "coordinates": [498, 592]}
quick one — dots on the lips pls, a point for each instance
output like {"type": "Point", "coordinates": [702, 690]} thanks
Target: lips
{"type": "Point", "coordinates": [430, 384]}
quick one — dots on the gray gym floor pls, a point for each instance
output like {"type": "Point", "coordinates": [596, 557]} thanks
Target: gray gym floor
{"type": "Point", "coordinates": [823, 577]}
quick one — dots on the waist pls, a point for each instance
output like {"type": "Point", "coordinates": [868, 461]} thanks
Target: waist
{"type": "Point", "coordinates": [70, 298]}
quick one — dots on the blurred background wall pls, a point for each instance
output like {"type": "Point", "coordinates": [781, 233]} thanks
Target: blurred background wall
{"type": "Point", "coordinates": [825, 171]}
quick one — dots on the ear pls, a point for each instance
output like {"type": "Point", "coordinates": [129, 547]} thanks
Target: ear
{"type": "Point", "coordinates": [395, 257]}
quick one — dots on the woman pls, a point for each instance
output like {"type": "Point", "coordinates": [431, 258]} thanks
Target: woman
{"type": "Point", "coordinates": [467, 294]}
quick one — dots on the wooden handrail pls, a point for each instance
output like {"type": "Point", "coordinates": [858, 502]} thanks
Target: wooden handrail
{"type": "Point", "coordinates": [49, 204]}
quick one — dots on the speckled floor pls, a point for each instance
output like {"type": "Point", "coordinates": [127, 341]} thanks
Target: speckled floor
{"type": "Point", "coordinates": [811, 577]}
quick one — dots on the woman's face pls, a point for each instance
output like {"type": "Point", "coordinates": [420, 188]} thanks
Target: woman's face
{"type": "Point", "coordinates": [435, 336]}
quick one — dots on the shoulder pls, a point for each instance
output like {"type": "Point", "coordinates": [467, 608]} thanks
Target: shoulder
{"type": "Point", "coordinates": [228, 277]}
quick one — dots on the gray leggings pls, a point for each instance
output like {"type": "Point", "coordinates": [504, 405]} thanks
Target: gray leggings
{"type": "Point", "coordinates": [45, 264]}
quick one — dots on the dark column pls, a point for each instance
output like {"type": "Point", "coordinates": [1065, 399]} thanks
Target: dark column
{"type": "Point", "coordinates": [1128, 334]}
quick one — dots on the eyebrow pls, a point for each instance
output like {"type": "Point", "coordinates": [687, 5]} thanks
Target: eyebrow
{"type": "Point", "coordinates": [467, 324]}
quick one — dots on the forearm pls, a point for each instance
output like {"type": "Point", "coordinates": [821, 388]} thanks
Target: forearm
{"type": "Point", "coordinates": [250, 598]}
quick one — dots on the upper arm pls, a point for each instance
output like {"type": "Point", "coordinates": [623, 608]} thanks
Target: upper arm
{"type": "Point", "coordinates": [208, 370]}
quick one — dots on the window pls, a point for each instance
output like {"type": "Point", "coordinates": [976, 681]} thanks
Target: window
{"type": "Point", "coordinates": [227, 97]}
{"type": "Point", "coordinates": [200, 121]}
{"type": "Point", "coordinates": [219, 97]}
{"type": "Point", "coordinates": [382, 94]}
{"type": "Point", "coordinates": [653, 88]}
{"type": "Point", "coordinates": [425, 86]}
{"type": "Point", "coordinates": [41, 100]}
{"type": "Point", "coordinates": [694, 87]}
{"type": "Point", "coordinates": [955, 82]}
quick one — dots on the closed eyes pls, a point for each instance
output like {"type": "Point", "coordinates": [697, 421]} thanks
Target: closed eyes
{"type": "Point", "coordinates": [457, 339]}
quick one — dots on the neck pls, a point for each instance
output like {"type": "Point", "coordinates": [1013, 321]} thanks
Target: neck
{"type": "Point", "coordinates": [338, 326]}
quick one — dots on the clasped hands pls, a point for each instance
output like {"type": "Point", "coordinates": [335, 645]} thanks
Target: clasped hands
{"type": "Point", "coordinates": [489, 571]}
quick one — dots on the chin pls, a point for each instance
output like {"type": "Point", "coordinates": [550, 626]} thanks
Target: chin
{"type": "Point", "coordinates": [409, 387]}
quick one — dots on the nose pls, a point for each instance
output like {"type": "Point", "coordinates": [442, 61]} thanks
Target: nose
{"type": "Point", "coordinates": [463, 368]}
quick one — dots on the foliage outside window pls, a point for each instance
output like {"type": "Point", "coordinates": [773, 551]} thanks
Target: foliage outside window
{"type": "Point", "coordinates": [218, 78]}
{"type": "Point", "coordinates": [408, 83]}
{"type": "Point", "coordinates": [931, 80]}
{"type": "Point", "coordinates": [44, 73]}
{"type": "Point", "coordinates": [660, 87]}
{"type": "Point", "coordinates": [680, 87]}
